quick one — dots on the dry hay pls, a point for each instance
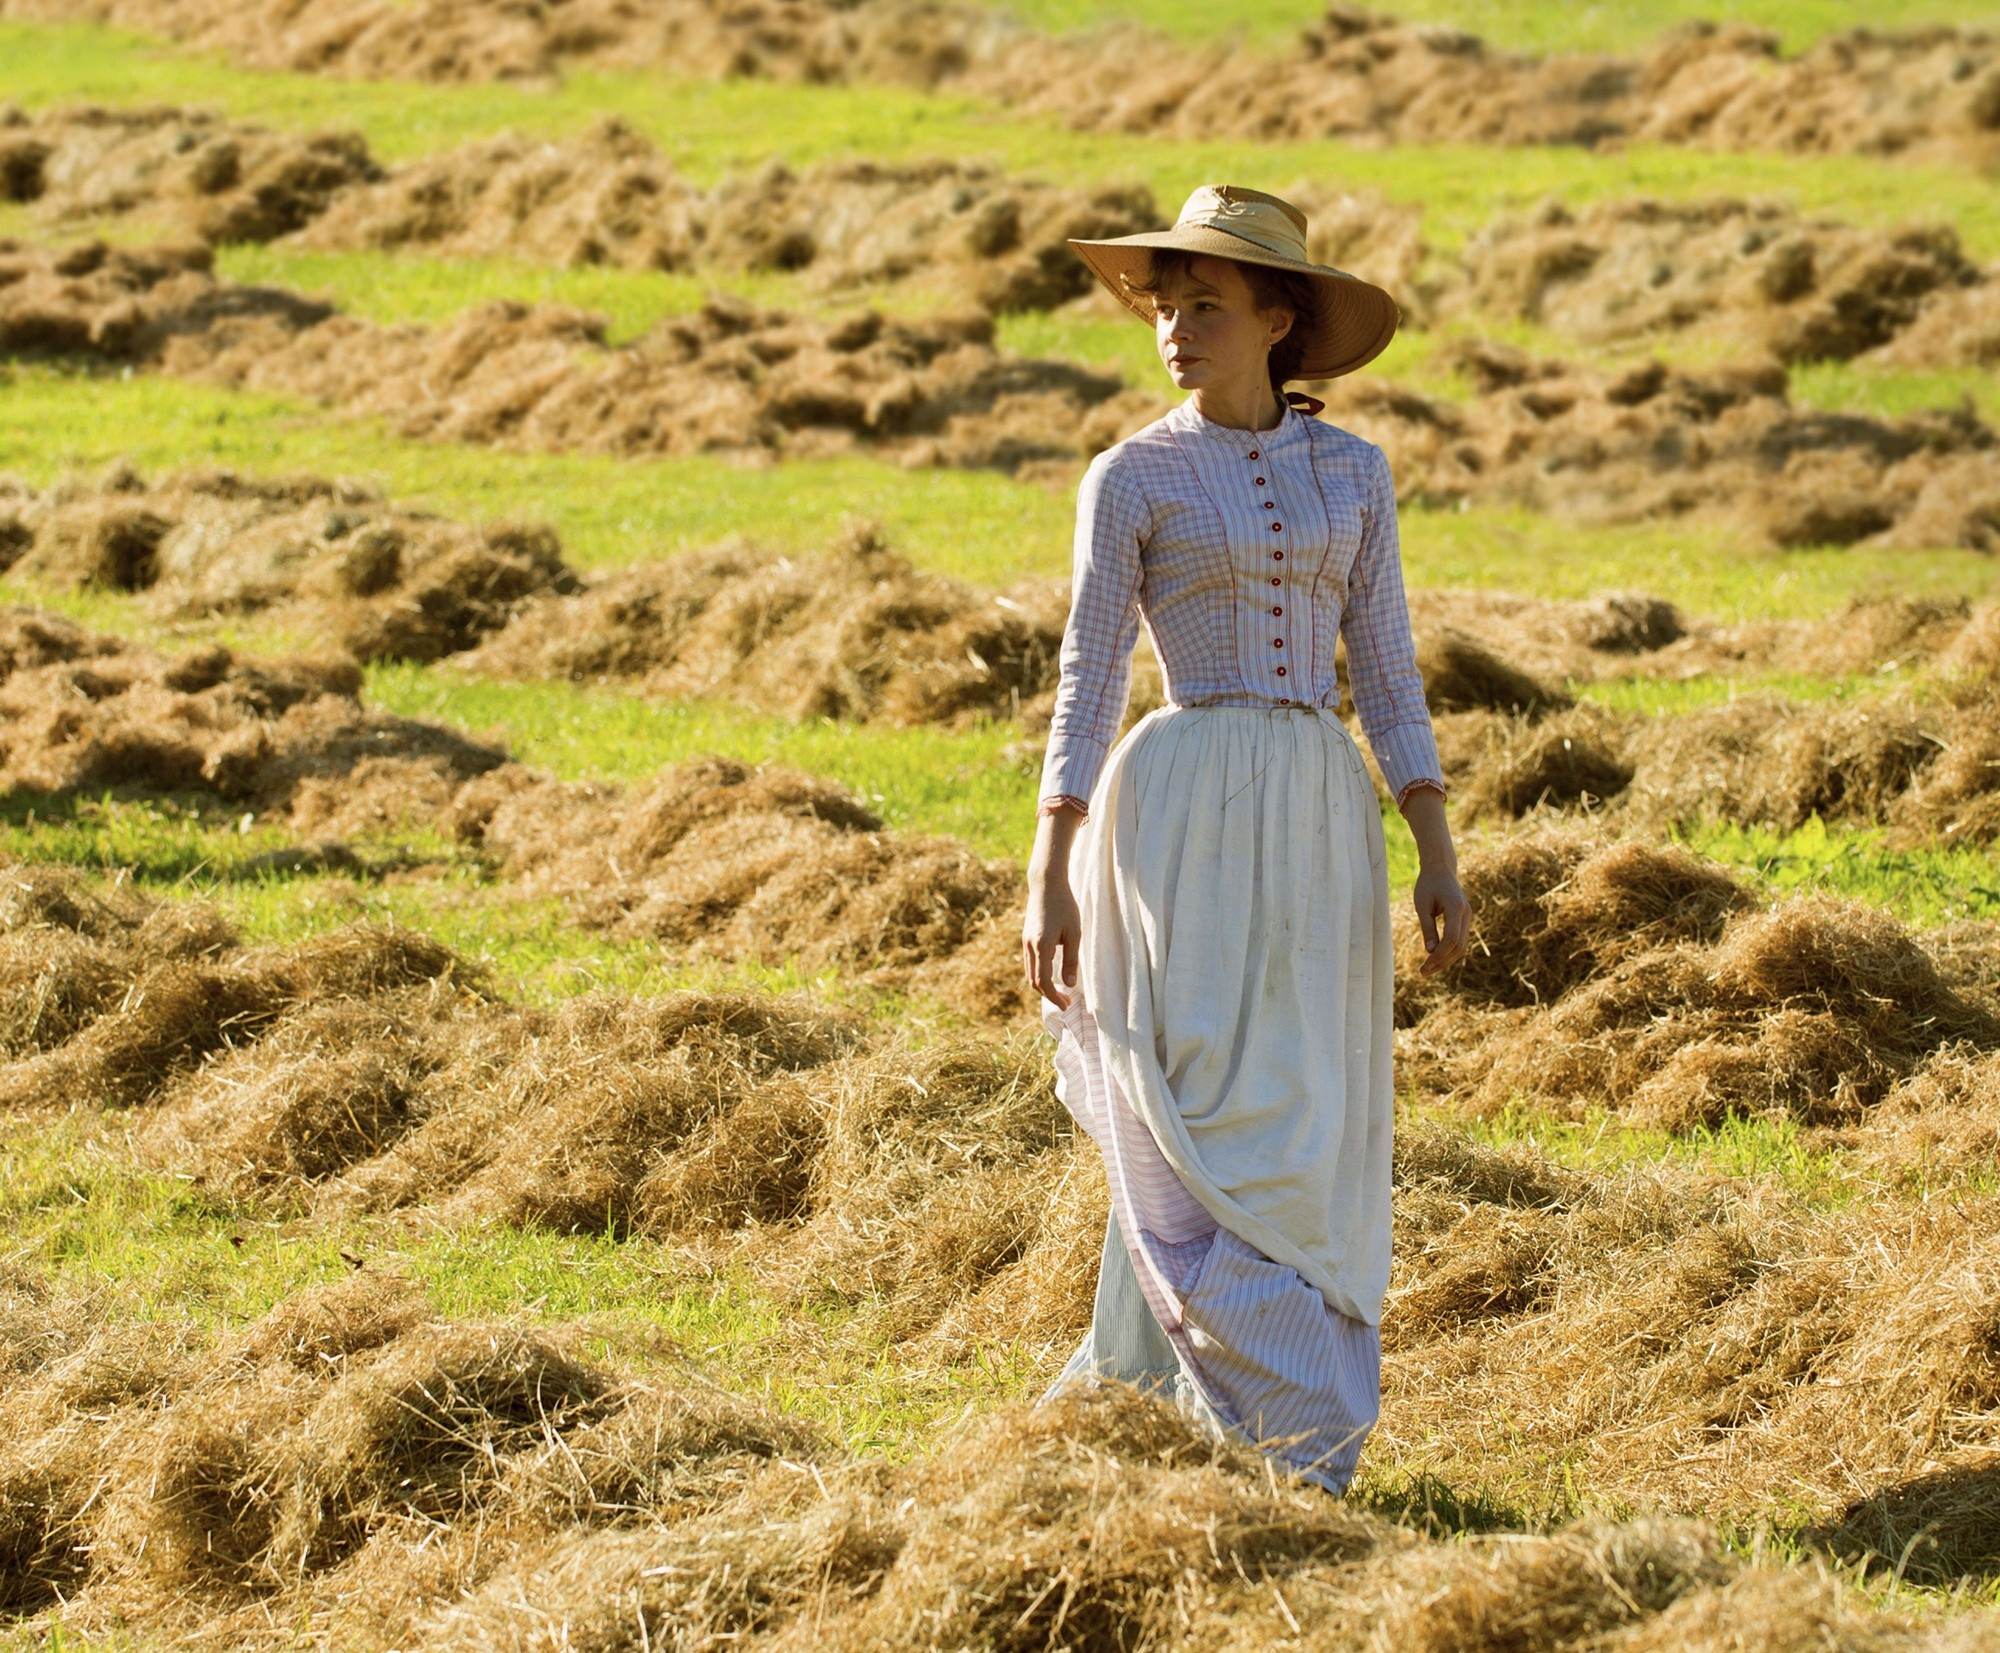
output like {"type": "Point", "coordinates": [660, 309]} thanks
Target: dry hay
{"type": "Point", "coordinates": [1708, 1342]}
{"type": "Point", "coordinates": [855, 633]}
{"type": "Point", "coordinates": [729, 377]}
{"type": "Point", "coordinates": [1930, 93]}
{"type": "Point", "coordinates": [378, 580]}
{"type": "Point", "coordinates": [1651, 982]}
{"type": "Point", "coordinates": [350, 1460]}
{"type": "Point", "coordinates": [1920, 759]}
{"type": "Point", "coordinates": [349, 1439]}
{"type": "Point", "coordinates": [604, 197]}
{"type": "Point", "coordinates": [937, 1186]}
{"type": "Point", "coordinates": [86, 714]}
{"type": "Point", "coordinates": [1805, 289]}
{"type": "Point", "coordinates": [724, 861]}
{"type": "Point", "coordinates": [1655, 441]}
{"type": "Point", "coordinates": [200, 173]}
{"type": "Point", "coordinates": [609, 197]}
{"type": "Point", "coordinates": [109, 998]}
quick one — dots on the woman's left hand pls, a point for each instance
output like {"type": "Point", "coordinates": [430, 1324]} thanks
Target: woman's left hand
{"type": "Point", "coordinates": [1444, 914]}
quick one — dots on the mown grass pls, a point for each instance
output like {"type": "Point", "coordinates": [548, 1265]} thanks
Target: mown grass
{"type": "Point", "coordinates": [709, 128]}
{"type": "Point", "coordinates": [1523, 25]}
{"type": "Point", "coordinates": [153, 1248]}
{"type": "Point", "coordinates": [978, 526]}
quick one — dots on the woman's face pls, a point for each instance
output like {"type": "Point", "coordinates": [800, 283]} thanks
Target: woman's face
{"type": "Point", "coordinates": [1207, 329]}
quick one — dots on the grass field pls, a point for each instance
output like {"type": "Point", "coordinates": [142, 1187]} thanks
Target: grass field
{"type": "Point", "coordinates": [1649, 1292]}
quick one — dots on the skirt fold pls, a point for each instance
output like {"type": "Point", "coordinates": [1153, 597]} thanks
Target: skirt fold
{"type": "Point", "coordinates": [1228, 1048]}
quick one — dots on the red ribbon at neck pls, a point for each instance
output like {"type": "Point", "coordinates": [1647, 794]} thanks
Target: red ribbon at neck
{"type": "Point", "coordinates": [1304, 403]}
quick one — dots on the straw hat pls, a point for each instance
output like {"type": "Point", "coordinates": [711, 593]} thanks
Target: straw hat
{"type": "Point", "coordinates": [1355, 318]}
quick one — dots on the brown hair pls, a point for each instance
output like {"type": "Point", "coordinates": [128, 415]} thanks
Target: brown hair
{"type": "Point", "coordinates": [1270, 289]}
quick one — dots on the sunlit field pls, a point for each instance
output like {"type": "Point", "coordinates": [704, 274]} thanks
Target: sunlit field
{"type": "Point", "coordinates": [534, 545]}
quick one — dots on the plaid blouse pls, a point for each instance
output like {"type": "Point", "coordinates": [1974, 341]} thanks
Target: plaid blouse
{"type": "Point", "coordinates": [1246, 552]}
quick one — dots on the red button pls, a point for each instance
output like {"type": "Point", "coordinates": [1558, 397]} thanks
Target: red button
{"type": "Point", "coordinates": [1275, 609]}
{"type": "Point", "coordinates": [1270, 504]}
{"type": "Point", "coordinates": [1278, 556]}
{"type": "Point", "coordinates": [1281, 671]}
{"type": "Point", "coordinates": [1253, 453]}
{"type": "Point", "coordinates": [1277, 642]}
{"type": "Point", "coordinates": [1260, 482]}
{"type": "Point", "coordinates": [1277, 527]}
{"type": "Point", "coordinates": [1276, 581]}
{"type": "Point", "coordinates": [1282, 701]}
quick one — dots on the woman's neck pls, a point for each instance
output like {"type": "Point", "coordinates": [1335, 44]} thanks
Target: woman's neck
{"type": "Point", "coordinates": [1258, 409]}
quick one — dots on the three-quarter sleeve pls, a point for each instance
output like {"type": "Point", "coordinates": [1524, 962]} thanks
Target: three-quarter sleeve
{"type": "Point", "coordinates": [1094, 666]}
{"type": "Point", "coordinates": [1381, 655]}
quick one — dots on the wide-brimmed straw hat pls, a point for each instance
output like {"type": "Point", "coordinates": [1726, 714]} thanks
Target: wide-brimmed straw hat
{"type": "Point", "coordinates": [1355, 318]}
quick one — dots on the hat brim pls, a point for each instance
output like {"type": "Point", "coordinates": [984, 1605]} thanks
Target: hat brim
{"type": "Point", "coordinates": [1356, 319]}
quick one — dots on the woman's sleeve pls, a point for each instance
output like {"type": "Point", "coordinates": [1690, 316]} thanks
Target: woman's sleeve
{"type": "Point", "coordinates": [1381, 656]}
{"type": "Point", "coordinates": [1094, 667]}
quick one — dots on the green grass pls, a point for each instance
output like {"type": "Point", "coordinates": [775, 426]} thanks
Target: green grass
{"type": "Point", "coordinates": [404, 287]}
{"type": "Point", "coordinates": [155, 1249]}
{"type": "Point", "coordinates": [1523, 25]}
{"type": "Point", "coordinates": [979, 526]}
{"type": "Point", "coordinates": [709, 128]}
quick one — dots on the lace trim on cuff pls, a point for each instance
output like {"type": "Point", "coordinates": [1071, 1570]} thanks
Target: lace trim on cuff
{"type": "Point", "coordinates": [1050, 805]}
{"type": "Point", "coordinates": [1421, 781]}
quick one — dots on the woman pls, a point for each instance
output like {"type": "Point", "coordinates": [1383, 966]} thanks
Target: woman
{"type": "Point", "coordinates": [1216, 883]}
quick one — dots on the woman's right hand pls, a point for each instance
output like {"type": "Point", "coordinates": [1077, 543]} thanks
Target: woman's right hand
{"type": "Point", "coordinates": [1053, 923]}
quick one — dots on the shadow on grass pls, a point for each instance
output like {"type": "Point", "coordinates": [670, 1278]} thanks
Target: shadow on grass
{"type": "Point", "coordinates": [1938, 1528]}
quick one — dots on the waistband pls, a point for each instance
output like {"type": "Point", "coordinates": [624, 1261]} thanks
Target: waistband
{"type": "Point", "coordinates": [1326, 715]}
{"type": "Point", "coordinates": [1237, 703]}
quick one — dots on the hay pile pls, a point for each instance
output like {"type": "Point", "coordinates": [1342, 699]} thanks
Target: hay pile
{"type": "Point", "coordinates": [1931, 93]}
{"type": "Point", "coordinates": [1655, 441]}
{"type": "Point", "coordinates": [1652, 982]}
{"type": "Point", "coordinates": [606, 196]}
{"type": "Point", "coordinates": [84, 714]}
{"type": "Point", "coordinates": [609, 197]}
{"type": "Point", "coordinates": [1804, 289]}
{"type": "Point", "coordinates": [855, 633]}
{"type": "Point", "coordinates": [351, 1461]}
{"type": "Point", "coordinates": [730, 377]}
{"type": "Point", "coordinates": [375, 579]}
{"type": "Point", "coordinates": [197, 172]}
{"type": "Point", "coordinates": [1921, 760]}
{"type": "Point", "coordinates": [720, 860]}
{"type": "Point", "coordinates": [936, 1187]}
{"type": "Point", "coordinates": [1711, 1343]}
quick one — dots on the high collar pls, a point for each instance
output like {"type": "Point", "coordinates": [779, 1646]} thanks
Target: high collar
{"type": "Point", "coordinates": [1290, 428]}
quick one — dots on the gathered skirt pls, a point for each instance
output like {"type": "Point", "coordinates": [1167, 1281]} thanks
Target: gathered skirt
{"type": "Point", "coordinates": [1228, 1048]}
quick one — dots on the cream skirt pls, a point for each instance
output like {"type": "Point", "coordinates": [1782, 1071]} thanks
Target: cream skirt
{"type": "Point", "coordinates": [1228, 1048]}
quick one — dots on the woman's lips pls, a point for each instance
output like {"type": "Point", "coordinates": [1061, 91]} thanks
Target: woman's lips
{"type": "Point", "coordinates": [1182, 361]}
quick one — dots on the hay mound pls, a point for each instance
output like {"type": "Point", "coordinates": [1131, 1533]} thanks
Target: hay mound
{"type": "Point", "coordinates": [381, 581]}
{"type": "Point", "coordinates": [1655, 441]}
{"type": "Point", "coordinates": [198, 173]}
{"type": "Point", "coordinates": [284, 739]}
{"type": "Point", "coordinates": [858, 633]}
{"type": "Point", "coordinates": [1927, 93]}
{"type": "Point", "coordinates": [1650, 982]}
{"type": "Point", "coordinates": [1804, 289]}
{"type": "Point", "coordinates": [726, 862]}
{"type": "Point", "coordinates": [732, 376]}
{"type": "Point", "coordinates": [608, 197]}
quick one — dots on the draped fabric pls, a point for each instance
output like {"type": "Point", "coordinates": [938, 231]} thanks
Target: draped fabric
{"type": "Point", "coordinates": [1227, 1046]}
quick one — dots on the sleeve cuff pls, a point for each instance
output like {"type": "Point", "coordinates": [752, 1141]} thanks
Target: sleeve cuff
{"type": "Point", "coordinates": [1407, 753]}
{"type": "Point", "coordinates": [1070, 765]}
{"type": "Point", "coordinates": [1066, 800]}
